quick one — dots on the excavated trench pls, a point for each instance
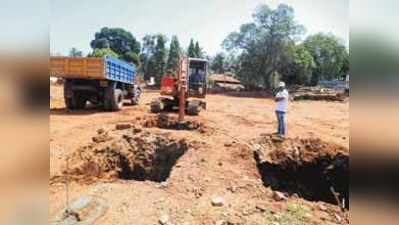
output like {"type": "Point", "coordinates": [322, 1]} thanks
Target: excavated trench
{"type": "Point", "coordinates": [127, 155]}
{"type": "Point", "coordinates": [310, 168]}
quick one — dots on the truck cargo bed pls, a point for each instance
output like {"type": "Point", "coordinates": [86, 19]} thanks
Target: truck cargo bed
{"type": "Point", "coordinates": [107, 68]}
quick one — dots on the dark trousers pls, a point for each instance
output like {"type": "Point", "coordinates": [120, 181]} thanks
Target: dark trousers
{"type": "Point", "coordinates": [281, 124]}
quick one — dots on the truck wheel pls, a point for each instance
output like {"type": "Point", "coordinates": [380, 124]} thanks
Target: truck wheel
{"type": "Point", "coordinates": [135, 101]}
{"type": "Point", "coordinates": [136, 96]}
{"type": "Point", "coordinates": [156, 106]}
{"type": "Point", "coordinates": [79, 100]}
{"type": "Point", "coordinates": [69, 103]}
{"type": "Point", "coordinates": [68, 95]}
{"type": "Point", "coordinates": [113, 99]}
{"type": "Point", "coordinates": [73, 99]}
{"type": "Point", "coordinates": [117, 100]}
{"type": "Point", "coordinates": [193, 108]}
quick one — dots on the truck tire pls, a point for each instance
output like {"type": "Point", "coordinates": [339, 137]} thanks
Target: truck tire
{"type": "Point", "coordinates": [136, 96]}
{"type": "Point", "coordinates": [68, 95]}
{"type": "Point", "coordinates": [113, 99]}
{"type": "Point", "coordinates": [116, 102]}
{"type": "Point", "coordinates": [156, 106]}
{"type": "Point", "coordinates": [193, 108]}
{"type": "Point", "coordinates": [73, 99]}
{"type": "Point", "coordinates": [135, 100]}
{"type": "Point", "coordinates": [79, 100]}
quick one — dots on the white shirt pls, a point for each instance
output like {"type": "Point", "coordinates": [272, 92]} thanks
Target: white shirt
{"type": "Point", "coordinates": [282, 105]}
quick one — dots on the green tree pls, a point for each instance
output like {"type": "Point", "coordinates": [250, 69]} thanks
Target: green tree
{"type": "Point", "coordinates": [264, 44]}
{"type": "Point", "coordinates": [159, 57]}
{"type": "Point", "coordinates": [174, 54]}
{"type": "Point", "coordinates": [329, 55]}
{"type": "Point", "coordinates": [191, 50]}
{"type": "Point", "coordinates": [101, 52]}
{"type": "Point", "coordinates": [198, 51]}
{"type": "Point", "coordinates": [298, 66]}
{"type": "Point", "coordinates": [118, 40]}
{"type": "Point", "coordinates": [74, 52]}
{"type": "Point", "coordinates": [132, 58]}
{"type": "Point", "coordinates": [218, 63]}
{"type": "Point", "coordinates": [147, 56]}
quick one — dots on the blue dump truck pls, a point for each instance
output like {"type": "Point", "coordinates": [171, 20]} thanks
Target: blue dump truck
{"type": "Point", "coordinates": [105, 82]}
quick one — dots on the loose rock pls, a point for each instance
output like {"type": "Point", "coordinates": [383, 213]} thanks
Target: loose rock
{"type": "Point", "coordinates": [218, 201]}
{"type": "Point", "coordinates": [164, 220]}
{"type": "Point", "coordinates": [278, 196]}
{"type": "Point", "coordinates": [123, 126]}
{"type": "Point", "coordinates": [219, 222]}
{"type": "Point", "coordinates": [100, 131]}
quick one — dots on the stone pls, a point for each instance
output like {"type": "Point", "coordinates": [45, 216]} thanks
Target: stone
{"type": "Point", "coordinates": [137, 129]}
{"type": "Point", "coordinates": [278, 196]}
{"type": "Point", "coordinates": [101, 138]}
{"type": "Point", "coordinates": [162, 185]}
{"type": "Point", "coordinates": [218, 201]}
{"type": "Point", "coordinates": [219, 222]}
{"type": "Point", "coordinates": [233, 189]}
{"type": "Point", "coordinates": [164, 220]}
{"type": "Point", "coordinates": [229, 144]}
{"type": "Point", "coordinates": [100, 131]}
{"type": "Point", "coordinates": [123, 126]}
{"type": "Point", "coordinates": [338, 218]}
{"type": "Point", "coordinates": [261, 208]}
{"type": "Point", "coordinates": [322, 207]}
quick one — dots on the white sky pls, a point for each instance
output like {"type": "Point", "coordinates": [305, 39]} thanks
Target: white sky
{"type": "Point", "coordinates": [74, 22]}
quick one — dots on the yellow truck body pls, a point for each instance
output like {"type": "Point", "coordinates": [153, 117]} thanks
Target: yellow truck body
{"type": "Point", "coordinates": [77, 67]}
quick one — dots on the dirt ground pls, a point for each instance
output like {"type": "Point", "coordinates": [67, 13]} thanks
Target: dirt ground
{"type": "Point", "coordinates": [218, 167]}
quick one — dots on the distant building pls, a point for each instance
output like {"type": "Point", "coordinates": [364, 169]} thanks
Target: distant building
{"type": "Point", "coordinates": [224, 82]}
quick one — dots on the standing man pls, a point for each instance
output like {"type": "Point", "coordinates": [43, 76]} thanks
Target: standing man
{"type": "Point", "coordinates": [281, 100]}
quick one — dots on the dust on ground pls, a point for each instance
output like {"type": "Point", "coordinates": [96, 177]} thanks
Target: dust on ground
{"type": "Point", "coordinates": [220, 167]}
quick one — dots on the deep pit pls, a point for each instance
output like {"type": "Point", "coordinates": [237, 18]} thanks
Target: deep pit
{"type": "Point", "coordinates": [127, 154]}
{"type": "Point", "coordinates": [312, 169]}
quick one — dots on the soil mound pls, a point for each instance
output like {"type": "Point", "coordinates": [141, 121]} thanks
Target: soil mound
{"type": "Point", "coordinates": [170, 121]}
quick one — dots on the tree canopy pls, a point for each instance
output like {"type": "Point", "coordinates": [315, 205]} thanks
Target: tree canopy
{"type": "Point", "coordinates": [122, 42]}
{"type": "Point", "coordinates": [159, 57]}
{"type": "Point", "coordinates": [174, 55]}
{"type": "Point", "coordinates": [269, 48]}
{"type": "Point", "coordinates": [217, 65]}
{"type": "Point", "coordinates": [298, 66]}
{"type": "Point", "coordinates": [101, 52]}
{"type": "Point", "coordinates": [330, 56]}
{"type": "Point", "coordinates": [265, 43]}
{"type": "Point", "coordinates": [74, 52]}
{"type": "Point", "coordinates": [191, 52]}
{"type": "Point", "coordinates": [198, 51]}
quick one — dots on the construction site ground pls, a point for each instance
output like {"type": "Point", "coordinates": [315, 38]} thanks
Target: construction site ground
{"type": "Point", "coordinates": [216, 181]}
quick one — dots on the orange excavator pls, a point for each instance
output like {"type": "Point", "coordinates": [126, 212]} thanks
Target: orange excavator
{"type": "Point", "coordinates": [185, 92]}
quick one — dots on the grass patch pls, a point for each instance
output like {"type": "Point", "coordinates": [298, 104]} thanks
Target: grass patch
{"type": "Point", "coordinates": [294, 215]}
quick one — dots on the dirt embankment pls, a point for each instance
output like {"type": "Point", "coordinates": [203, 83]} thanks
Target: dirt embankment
{"type": "Point", "coordinates": [309, 167]}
